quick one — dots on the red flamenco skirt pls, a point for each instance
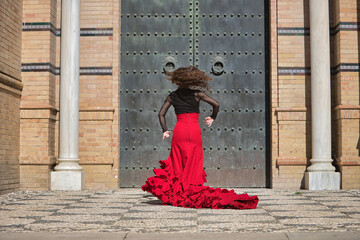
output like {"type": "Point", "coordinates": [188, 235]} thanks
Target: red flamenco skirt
{"type": "Point", "coordinates": [179, 180]}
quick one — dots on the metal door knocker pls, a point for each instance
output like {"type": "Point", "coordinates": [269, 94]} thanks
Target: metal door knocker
{"type": "Point", "coordinates": [217, 65]}
{"type": "Point", "coordinates": [169, 64]}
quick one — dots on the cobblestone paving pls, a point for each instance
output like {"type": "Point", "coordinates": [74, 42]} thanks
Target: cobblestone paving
{"type": "Point", "coordinates": [133, 210]}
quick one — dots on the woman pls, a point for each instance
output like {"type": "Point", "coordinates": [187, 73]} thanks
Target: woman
{"type": "Point", "coordinates": [179, 181]}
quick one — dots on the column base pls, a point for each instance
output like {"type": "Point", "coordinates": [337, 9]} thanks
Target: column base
{"type": "Point", "coordinates": [67, 180]}
{"type": "Point", "coordinates": [322, 180]}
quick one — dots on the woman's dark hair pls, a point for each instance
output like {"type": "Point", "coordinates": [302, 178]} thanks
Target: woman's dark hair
{"type": "Point", "coordinates": [189, 77]}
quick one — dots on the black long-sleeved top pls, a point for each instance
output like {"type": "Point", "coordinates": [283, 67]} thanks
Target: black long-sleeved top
{"type": "Point", "coordinates": [186, 100]}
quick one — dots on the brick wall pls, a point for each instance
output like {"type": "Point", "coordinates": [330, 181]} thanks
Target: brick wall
{"type": "Point", "coordinates": [98, 97]}
{"type": "Point", "coordinates": [345, 92]}
{"type": "Point", "coordinates": [38, 101]}
{"type": "Point", "coordinates": [99, 92]}
{"type": "Point", "coordinates": [290, 88]}
{"type": "Point", "coordinates": [10, 92]}
{"type": "Point", "coordinates": [290, 71]}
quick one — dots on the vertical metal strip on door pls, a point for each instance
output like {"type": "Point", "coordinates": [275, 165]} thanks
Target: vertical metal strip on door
{"type": "Point", "coordinates": [230, 43]}
{"type": "Point", "coordinates": [154, 35]}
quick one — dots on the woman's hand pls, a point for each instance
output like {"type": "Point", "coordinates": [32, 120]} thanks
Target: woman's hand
{"type": "Point", "coordinates": [208, 121]}
{"type": "Point", "coordinates": [166, 134]}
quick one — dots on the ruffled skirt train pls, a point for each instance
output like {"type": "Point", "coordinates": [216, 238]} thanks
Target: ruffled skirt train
{"type": "Point", "coordinates": [179, 180]}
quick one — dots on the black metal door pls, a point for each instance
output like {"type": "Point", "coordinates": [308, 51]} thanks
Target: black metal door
{"type": "Point", "coordinates": [226, 39]}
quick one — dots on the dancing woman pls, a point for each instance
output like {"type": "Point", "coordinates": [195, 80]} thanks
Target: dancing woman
{"type": "Point", "coordinates": [179, 180]}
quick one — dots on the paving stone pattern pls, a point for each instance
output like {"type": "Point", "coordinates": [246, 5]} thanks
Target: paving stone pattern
{"type": "Point", "coordinates": [133, 210]}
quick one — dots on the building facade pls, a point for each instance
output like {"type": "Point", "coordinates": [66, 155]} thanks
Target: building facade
{"type": "Point", "coordinates": [30, 83]}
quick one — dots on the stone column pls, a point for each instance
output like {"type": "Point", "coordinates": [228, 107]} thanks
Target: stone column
{"type": "Point", "coordinates": [68, 174]}
{"type": "Point", "coordinates": [321, 173]}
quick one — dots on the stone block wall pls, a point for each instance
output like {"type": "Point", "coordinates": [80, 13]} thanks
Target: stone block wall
{"type": "Point", "coordinates": [10, 92]}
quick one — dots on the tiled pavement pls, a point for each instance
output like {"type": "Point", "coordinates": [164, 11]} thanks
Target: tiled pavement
{"type": "Point", "coordinates": [132, 210]}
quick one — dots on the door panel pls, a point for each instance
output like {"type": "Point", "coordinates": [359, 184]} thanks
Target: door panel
{"type": "Point", "coordinates": [150, 31]}
{"type": "Point", "coordinates": [234, 31]}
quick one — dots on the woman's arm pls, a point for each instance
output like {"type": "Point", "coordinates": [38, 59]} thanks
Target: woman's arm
{"type": "Point", "coordinates": [212, 102]}
{"type": "Point", "coordinates": [162, 112]}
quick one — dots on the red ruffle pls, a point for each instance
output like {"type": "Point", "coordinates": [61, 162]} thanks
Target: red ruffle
{"type": "Point", "coordinates": [169, 189]}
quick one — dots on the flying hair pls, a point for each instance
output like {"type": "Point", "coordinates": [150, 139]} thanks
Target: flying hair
{"type": "Point", "coordinates": [190, 77]}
